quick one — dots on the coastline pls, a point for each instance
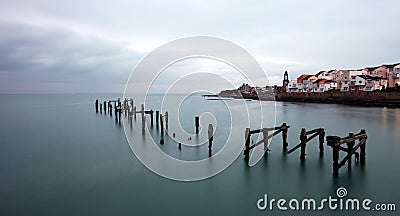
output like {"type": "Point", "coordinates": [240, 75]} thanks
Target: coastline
{"type": "Point", "coordinates": [369, 99]}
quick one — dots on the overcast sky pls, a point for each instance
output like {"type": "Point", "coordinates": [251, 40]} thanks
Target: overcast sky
{"type": "Point", "coordinates": [73, 46]}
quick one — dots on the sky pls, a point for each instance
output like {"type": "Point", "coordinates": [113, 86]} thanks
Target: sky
{"type": "Point", "coordinates": [49, 46]}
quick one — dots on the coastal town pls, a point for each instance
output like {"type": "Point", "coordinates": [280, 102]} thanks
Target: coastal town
{"type": "Point", "coordinates": [367, 86]}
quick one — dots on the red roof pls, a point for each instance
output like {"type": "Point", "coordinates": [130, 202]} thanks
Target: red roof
{"type": "Point", "coordinates": [302, 77]}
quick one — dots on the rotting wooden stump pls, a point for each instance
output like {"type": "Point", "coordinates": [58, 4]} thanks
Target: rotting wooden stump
{"type": "Point", "coordinates": [335, 142]}
{"type": "Point", "coordinates": [210, 137]}
{"type": "Point", "coordinates": [266, 136]}
{"type": "Point", "coordinates": [197, 123]}
{"type": "Point", "coordinates": [305, 138]}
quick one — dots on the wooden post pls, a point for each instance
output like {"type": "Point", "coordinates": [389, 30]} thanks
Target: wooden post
{"type": "Point", "coordinates": [210, 136]}
{"type": "Point", "coordinates": [97, 105]}
{"type": "Point", "coordinates": [284, 137]}
{"type": "Point", "coordinates": [303, 140]}
{"type": "Point", "coordinates": [196, 123]}
{"type": "Point", "coordinates": [157, 116]}
{"type": "Point", "coordinates": [151, 116]}
{"type": "Point", "coordinates": [333, 141]}
{"type": "Point", "coordinates": [101, 108]}
{"type": "Point", "coordinates": [362, 148]}
{"type": "Point", "coordinates": [161, 123]}
{"type": "Point", "coordinates": [104, 107]}
{"type": "Point", "coordinates": [120, 112]}
{"type": "Point", "coordinates": [247, 142]}
{"type": "Point", "coordinates": [134, 111]}
{"type": "Point", "coordinates": [321, 141]}
{"type": "Point", "coordinates": [166, 121]}
{"type": "Point", "coordinates": [119, 103]}
{"type": "Point", "coordinates": [111, 108]}
{"type": "Point", "coordinates": [350, 146]}
{"type": "Point", "coordinates": [116, 114]}
{"type": "Point", "coordinates": [335, 157]}
{"type": "Point", "coordinates": [143, 118]}
{"type": "Point", "coordinates": [180, 146]}
{"type": "Point", "coordinates": [162, 129]}
{"type": "Point", "coordinates": [265, 135]}
{"type": "Point", "coordinates": [142, 111]}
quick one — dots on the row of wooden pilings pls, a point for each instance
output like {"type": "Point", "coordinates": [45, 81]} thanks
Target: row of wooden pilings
{"type": "Point", "coordinates": [129, 109]}
{"type": "Point", "coordinates": [335, 142]}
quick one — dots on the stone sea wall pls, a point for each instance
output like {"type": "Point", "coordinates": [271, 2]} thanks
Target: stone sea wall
{"type": "Point", "coordinates": [375, 98]}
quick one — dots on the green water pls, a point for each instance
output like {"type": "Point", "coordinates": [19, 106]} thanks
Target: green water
{"type": "Point", "coordinates": [58, 157]}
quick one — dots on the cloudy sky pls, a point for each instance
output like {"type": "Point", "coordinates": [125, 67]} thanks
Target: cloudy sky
{"type": "Point", "coordinates": [49, 46]}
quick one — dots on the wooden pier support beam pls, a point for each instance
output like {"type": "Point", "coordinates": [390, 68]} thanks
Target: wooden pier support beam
{"type": "Point", "coordinates": [104, 107]}
{"type": "Point", "coordinates": [162, 129]}
{"type": "Point", "coordinates": [247, 142]}
{"type": "Point", "coordinates": [303, 142]}
{"type": "Point", "coordinates": [101, 108]}
{"type": "Point", "coordinates": [166, 121]}
{"type": "Point", "coordinates": [350, 146]}
{"type": "Point", "coordinates": [151, 116]}
{"type": "Point", "coordinates": [284, 137]}
{"type": "Point", "coordinates": [210, 137]}
{"type": "Point", "coordinates": [321, 141]}
{"type": "Point", "coordinates": [161, 123]}
{"type": "Point", "coordinates": [265, 136]}
{"type": "Point", "coordinates": [333, 141]}
{"type": "Point", "coordinates": [96, 105]}
{"type": "Point", "coordinates": [362, 148]}
{"type": "Point", "coordinates": [143, 118]}
{"type": "Point", "coordinates": [197, 123]}
{"type": "Point", "coordinates": [157, 117]}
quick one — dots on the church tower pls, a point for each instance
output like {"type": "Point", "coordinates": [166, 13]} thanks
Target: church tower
{"type": "Point", "coordinates": [285, 81]}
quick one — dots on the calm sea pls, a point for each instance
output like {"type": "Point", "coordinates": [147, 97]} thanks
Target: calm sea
{"type": "Point", "coordinates": [58, 157]}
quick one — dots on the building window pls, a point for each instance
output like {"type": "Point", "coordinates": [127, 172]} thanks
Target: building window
{"type": "Point", "coordinates": [361, 87]}
{"type": "Point", "coordinates": [352, 88]}
{"type": "Point", "coordinates": [360, 81]}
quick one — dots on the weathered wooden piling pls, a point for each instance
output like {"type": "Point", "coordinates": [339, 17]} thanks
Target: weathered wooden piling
{"type": "Point", "coordinates": [335, 142]}
{"type": "Point", "coordinates": [101, 108]}
{"type": "Point", "coordinates": [143, 118]}
{"type": "Point", "coordinates": [151, 118]}
{"type": "Point", "coordinates": [303, 143]}
{"type": "Point", "coordinates": [166, 121]}
{"type": "Point", "coordinates": [157, 116]}
{"type": "Point", "coordinates": [284, 137]}
{"type": "Point", "coordinates": [265, 136]}
{"type": "Point", "coordinates": [96, 105]}
{"type": "Point", "coordinates": [350, 146]}
{"type": "Point", "coordinates": [247, 142]}
{"type": "Point", "coordinates": [335, 155]}
{"type": "Point", "coordinates": [197, 123]}
{"type": "Point", "coordinates": [180, 146]}
{"type": "Point", "coordinates": [321, 141]}
{"type": "Point", "coordinates": [161, 123]}
{"type": "Point", "coordinates": [119, 115]}
{"type": "Point", "coordinates": [162, 129]}
{"type": "Point", "coordinates": [105, 108]}
{"type": "Point", "coordinates": [210, 136]}
{"type": "Point", "coordinates": [362, 148]}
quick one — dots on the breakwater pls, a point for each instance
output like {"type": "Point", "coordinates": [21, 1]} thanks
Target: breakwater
{"type": "Point", "coordinates": [375, 98]}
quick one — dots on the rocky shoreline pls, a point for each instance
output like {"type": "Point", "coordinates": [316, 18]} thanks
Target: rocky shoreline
{"type": "Point", "coordinates": [370, 99]}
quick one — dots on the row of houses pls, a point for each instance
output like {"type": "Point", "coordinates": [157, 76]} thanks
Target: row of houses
{"type": "Point", "coordinates": [367, 79]}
